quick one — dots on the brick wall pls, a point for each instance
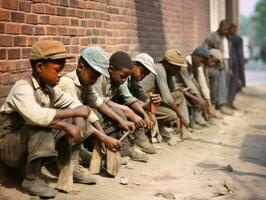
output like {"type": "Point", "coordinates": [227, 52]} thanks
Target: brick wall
{"type": "Point", "coordinates": [131, 25]}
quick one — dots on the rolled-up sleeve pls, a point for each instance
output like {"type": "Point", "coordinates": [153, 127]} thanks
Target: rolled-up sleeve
{"type": "Point", "coordinates": [23, 101]}
{"type": "Point", "coordinates": [203, 83]}
{"type": "Point", "coordinates": [125, 94]}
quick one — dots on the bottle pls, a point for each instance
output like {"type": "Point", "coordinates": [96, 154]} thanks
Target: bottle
{"type": "Point", "coordinates": [152, 105]}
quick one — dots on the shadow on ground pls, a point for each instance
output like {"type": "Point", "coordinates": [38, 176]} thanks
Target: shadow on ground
{"type": "Point", "coordinates": [254, 149]}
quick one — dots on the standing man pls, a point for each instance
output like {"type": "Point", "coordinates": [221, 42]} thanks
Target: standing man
{"type": "Point", "coordinates": [237, 79]}
{"type": "Point", "coordinates": [218, 40]}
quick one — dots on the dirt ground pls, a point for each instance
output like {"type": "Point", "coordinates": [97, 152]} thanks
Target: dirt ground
{"type": "Point", "coordinates": [226, 161]}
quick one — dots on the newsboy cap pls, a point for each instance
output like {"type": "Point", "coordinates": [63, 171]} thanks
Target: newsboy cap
{"type": "Point", "coordinates": [48, 49]}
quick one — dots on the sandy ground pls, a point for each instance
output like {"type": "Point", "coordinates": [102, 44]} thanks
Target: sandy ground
{"type": "Point", "coordinates": [192, 170]}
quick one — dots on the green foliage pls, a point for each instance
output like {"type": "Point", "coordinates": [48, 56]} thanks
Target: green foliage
{"type": "Point", "coordinates": [260, 22]}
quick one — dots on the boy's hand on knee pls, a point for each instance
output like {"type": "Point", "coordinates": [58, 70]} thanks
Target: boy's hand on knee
{"type": "Point", "coordinates": [128, 126]}
{"type": "Point", "coordinates": [75, 132]}
{"type": "Point", "coordinates": [82, 111]}
{"type": "Point", "coordinates": [112, 143]}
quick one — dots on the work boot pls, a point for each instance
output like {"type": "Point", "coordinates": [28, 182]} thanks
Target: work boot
{"type": "Point", "coordinates": [142, 141]}
{"type": "Point", "coordinates": [165, 133]}
{"type": "Point", "coordinates": [194, 125]}
{"type": "Point", "coordinates": [200, 120]}
{"type": "Point", "coordinates": [137, 155]}
{"type": "Point", "coordinates": [37, 187]}
{"type": "Point", "coordinates": [81, 175]}
{"type": "Point", "coordinates": [218, 114]}
{"type": "Point", "coordinates": [225, 110]}
{"type": "Point", "coordinates": [130, 151]}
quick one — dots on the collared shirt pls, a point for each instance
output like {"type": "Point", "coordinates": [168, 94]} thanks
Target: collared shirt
{"type": "Point", "coordinates": [36, 105]}
{"type": "Point", "coordinates": [70, 83]}
{"type": "Point", "coordinates": [159, 84]}
{"type": "Point", "coordinates": [117, 93]}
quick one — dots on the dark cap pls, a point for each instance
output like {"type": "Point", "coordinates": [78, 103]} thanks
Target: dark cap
{"type": "Point", "coordinates": [121, 59]}
{"type": "Point", "coordinates": [202, 52]}
{"type": "Point", "coordinates": [48, 49]}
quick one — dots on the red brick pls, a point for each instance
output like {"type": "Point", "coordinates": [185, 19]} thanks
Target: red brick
{"type": "Point", "coordinates": [74, 22]}
{"type": "Point", "coordinates": [32, 40]}
{"type": "Point", "coordinates": [27, 29]}
{"type": "Point", "coordinates": [63, 3]}
{"type": "Point", "coordinates": [38, 8]}
{"type": "Point", "coordinates": [61, 11]}
{"type": "Point", "coordinates": [62, 30]}
{"type": "Point", "coordinates": [31, 19]}
{"type": "Point", "coordinates": [50, 9]}
{"type": "Point", "coordinates": [6, 41]}
{"type": "Point", "coordinates": [12, 28]}
{"type": "Point", "coordinates": [51, 30]}
{"type": "Point", "coordinates": [25, 6]}
{"type": "Point", "coordinates": [66, 40]}
{"type": "Point", "coordinates": [7, 79]}
{"type": "Point", "coordinates": [10, 4]}
{"type": "Point", "coordinates": [39, 31]}
{"type": "Point", "coordinates": [4, 90]}
{"type": "Point", "coordinates": [17, 17]}
{"type": "Point", "coordinates": [2, 28]}
{"type": "Point", "coordinates": [2, 53]}
{"type": "Point", "coordinates": [13, 53]}
{"type": "Point", "coordinates": [54, 20]}
{"type": "Point", "coordinates": [20, 41]}
{"type": "Point", "coordinates": [25, 52]}
{"type": "Point", "coordinates": [4, 15]}
{"type": "Point", "coordinates": [85, 41]}
{"type": "Point", "coordinates": [64, 21]}
{"type": "Point", "coordinates": [44, 19]}
{"type": "Point", "coordinates": [53, 2]}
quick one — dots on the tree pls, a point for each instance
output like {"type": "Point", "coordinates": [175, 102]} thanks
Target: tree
{"type": "Point", "coordinates": [260, 21]}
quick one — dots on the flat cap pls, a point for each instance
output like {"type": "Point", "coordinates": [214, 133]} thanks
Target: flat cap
{"type": "Point", "coordinates": [202, 52]}
{"type": "Point", "coordinates": [175, 57]}
{"type": "Point", "coordinates": [48, 49]}
{"type": "Point", "coordinates": [97, 58]}
{"type": "Point", "coordinates": [147, 61]}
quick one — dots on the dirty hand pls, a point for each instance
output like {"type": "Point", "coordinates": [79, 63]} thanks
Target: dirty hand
{"type": "Point", "coordinates": [74, 132]}
{"type": "Point", "coordinates": [203, 103]}
{"type": "Point", "coordinates": [128, 126]}
{"type": "Point", "coordinates": [112, 143]}
{"type": "Point", "coordinates": [155, 99]}
{"type": "Point", "coordinates": [138, 121]}
{"type": "Point", "coordinates": [148, 122]}
{"type": "Point", "coordinates": [82, 111]}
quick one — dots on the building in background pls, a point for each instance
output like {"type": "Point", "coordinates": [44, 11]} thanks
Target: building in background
{"type": "Point", "coordinates": [133, 26]}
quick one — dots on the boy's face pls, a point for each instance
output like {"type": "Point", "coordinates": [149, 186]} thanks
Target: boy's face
{"type": "Point", "coordinates": [87, 75]}
{"type": "Point", "coordinates": [171, 69]}
{"type": "Point", "coordinates": [119, 76]}
{"type": "Point", "coordinates": [139, 72]}
{"type": "Point", "coordinates": [213, 62]}
{"type": "Point", "coordinates": [197, 61]}
{"type": "Point", "coordinates": [50, 71]}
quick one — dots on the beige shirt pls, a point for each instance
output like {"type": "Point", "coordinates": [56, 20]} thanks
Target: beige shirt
{"type": "Point", "coordinates": [39, 112]}
{"type": "Point", "coordinates": [70, 83]}
{"type": "Point", "coordinates": [203, 83]}
{"type": "Point", "coordinates": [109, 91]}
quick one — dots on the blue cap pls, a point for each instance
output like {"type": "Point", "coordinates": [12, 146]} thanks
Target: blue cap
{"type": "Point", "coordinates": [97, 58]}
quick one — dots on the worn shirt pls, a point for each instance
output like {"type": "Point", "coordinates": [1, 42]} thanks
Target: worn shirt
{"type": "Point", "coordinates": [70, 83]}
{"type": "Point", "coordinates": [185, 77]}
{"type": "Point", "coordinates": [160, 84]}
{"type": "Point", "coordinates": [36, 105]}
{"type": "Point", "coordinates": [117, 93]}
